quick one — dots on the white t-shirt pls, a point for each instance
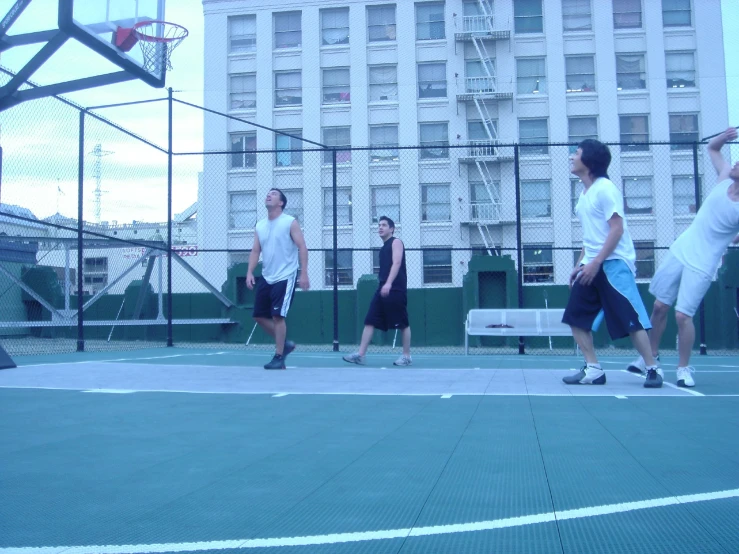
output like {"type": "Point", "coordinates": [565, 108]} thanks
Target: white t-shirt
{"type": "Point", "coordinates": [595, 207]}
{"type": "Point", "coordinates": [701, 245]}
{"type": "Point", "coordinates": [279, 252]}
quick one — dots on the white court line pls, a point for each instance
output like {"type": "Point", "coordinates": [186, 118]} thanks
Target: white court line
{"type": "Point", "coordinates": [446, 396]}
{"type": "Point", "coordinates": [337, 538]}
{"type": "Point", "coordinates": [410, 394]}
{"type": "Point", "coordinates": [111, 391]}
{"type": "Point", "coordinates": [621, 397]}
{"type": "Point", "coordinates": [122, 359]}
{"type": "Point", "coordinates": [280, 394]}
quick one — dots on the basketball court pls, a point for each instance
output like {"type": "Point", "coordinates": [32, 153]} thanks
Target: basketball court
{"type": "Point", "coordinates": [187, 450]}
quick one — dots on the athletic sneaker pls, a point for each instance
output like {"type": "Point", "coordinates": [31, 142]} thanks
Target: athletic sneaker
{"type": "Point", "coordinates": [403, 360]}
{"type": "Point", "coordinates": [684, 377]}
{"type": "Point", "coordinates": [639, 366]}
{"type": "Point", "coordinates": [354, 358]}
{"type": "Point", "coordinates": [278, 362]}
{"type": "Point", "coordinates": [654, 378]}
{"type": "Point", "coordinates": [289, 347]}
{"type": "Point", "coordinates": [588, 375]}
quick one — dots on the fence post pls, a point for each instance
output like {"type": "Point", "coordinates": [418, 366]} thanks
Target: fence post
{"type": "Point", "coordinates": [702, 309]}
{"type": "Point", "coordinates": [169, 222]}
{"type": "Point", "coordinates": [519, 246]}
{"type": "Point", "coordinates": [80, 215]}
{"type": "Point", "coordinates": [336, 254]}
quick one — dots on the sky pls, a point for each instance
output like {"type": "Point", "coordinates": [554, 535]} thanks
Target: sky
{"type": "Point", "coordinates": [133, 176]}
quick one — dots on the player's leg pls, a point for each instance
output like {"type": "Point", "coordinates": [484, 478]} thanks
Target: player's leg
{"type": "Point", "coordinates": [375, 318]}
{"type": "Point", "coordinates": [582, 308]}
{"type": "Point", "coordinates": [693, 287]}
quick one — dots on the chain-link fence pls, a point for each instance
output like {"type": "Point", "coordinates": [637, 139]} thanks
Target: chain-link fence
{"type": "Point", "coordinates": [484, 224]}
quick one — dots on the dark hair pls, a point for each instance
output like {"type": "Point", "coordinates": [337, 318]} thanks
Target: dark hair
{"type": "Point", "coordinates": [282, 197]}
{"type": "Point", "coordinates": [390, 222]}
{"type": "Point", "coordinates": [595, 156]}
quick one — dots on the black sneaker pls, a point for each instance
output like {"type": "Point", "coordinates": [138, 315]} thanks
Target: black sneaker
{"type": "Point", "coordinates": [654, 378]}
{"type": "Point", "coordinates": [278, 362]}
{"type": "Point", "coordinates": [288, 348]}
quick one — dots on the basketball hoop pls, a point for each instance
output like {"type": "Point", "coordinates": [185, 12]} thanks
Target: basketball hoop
{"type": "Point", "coordinates": [158, 39]}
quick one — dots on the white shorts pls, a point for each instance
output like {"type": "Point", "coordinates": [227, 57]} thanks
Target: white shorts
{"type": "Point", "coordinates": [673, 281]}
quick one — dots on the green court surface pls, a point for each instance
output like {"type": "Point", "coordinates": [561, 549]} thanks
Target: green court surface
{"type": "Point", "coordinates": [184, 450]}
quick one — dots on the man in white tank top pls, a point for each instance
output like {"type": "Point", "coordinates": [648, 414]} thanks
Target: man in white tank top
{"type": "Point", "coordinates": [686, 273]}
{"type": "Point", "coordinates": [279, 239]}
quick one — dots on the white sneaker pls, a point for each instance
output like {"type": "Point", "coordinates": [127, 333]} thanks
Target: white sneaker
{"type": "Point", "coordinates": [354, 358]}
{"type": "Point", "coordinates": [403, 360]}
{"type": "Point", "coordinates": [639, 366]}
{"type": "Point", "coordinates": [684, 377]}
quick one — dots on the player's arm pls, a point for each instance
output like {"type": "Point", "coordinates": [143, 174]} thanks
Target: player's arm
{"type": "Point", "coordinates": [591, 269]}
{"type": "Point", "coordinates": [253, 260]}
{"type": "Point", "coordinates": [397, 259]}
{"type": "Point", "coordinates": [297, 235]}
{"type": "Point", "coordinates": [714, 151]}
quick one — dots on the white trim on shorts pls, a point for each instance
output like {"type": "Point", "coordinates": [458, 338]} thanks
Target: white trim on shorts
{"type": "Point", "coordinates": [289, 291]}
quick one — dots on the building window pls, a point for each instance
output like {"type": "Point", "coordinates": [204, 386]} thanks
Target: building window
{"type": "Point", "coordinates": [536, 199]}
{"type": "Point", "coordinates": [626, 14]}
{"type": "Point", "coordinates": [637, 195]}
{"type": "Point", "coordinates": [434, 139]}
{"type": "Point", "coordinates": [242, 210]}
{"type": "Point", "coordinates": [288, 32]}
{"type": "Point", "coordinates": [437, 266]}
{"type": "Point", "coordinates": [432, 80]}
{"type": "Point", "coordinates": [680, 67]}
{"type": "Point", "coordinates": [244, 92]}
{"type": "Point", "coordinates": [435, 203]}
{"type": "Point", "coordinates": [474, 18]}
{"type": "Point", "coordinates": [243, 148]}
{"type": "Point", "coordinates": [375, 261]}
{"type": "Point", "coordinates": [538, 266]}
{"type": "Point", "coordinates": [484, 201]}
{"type": "Point", "coordinates": [343, 206]}
{"type": "Point", "coordinates": [478, 131]}
{"type": "Point", "coordinates": [531, 76]}
{"type": "Point", "coordinates": [242, 33]}
{"type": "Point", "coordinates": [344, 267]}
{"type": "Point", "coordinates": [294, 204]}
{"type": "Point", "coordinates": [634, 133]}
{"type": "Point", "coordinates": [528, 16]}
{"type": "Point", "coordinates": [430, 21]}
{"type": "Point", "coordinates": [576, 15]}
{"type": "Point", "coordinates": [581, 128]}
{"type": "Point", "coordinates": [381, 23]}
{"type": "Point", "coordinates": [576, 188]}
{"type": "Point", "coordinates": [383, 83]}
{"type": "Point", "coordinates": [683, 195]}
{"type": "Point", "coordinates": [676, 13]}
{"type": "Point", "coordinates": [533, 131]}
{"type": "Point", "coordinates": [385, 201]}
{"type": "Point", "coordinates": [384, 143]}
{"type": "Point", "coordinates": [288, 89]}
{"type": "Point", "coordinates": [644, 259]}
{"type": "Point", "coordinates": [631, 73]}
{"type": "Point", "coordinates": [293, 145]}
{"type": "Point", "coordinates": [479, 76]}
{"type": "Point", "coordinates": [580, 73]}
{"type": "Point", "coordinates": [336, 86]}
{"type": "Point", "coordinates": [336, 137]}
{"type": "Point", "coordinates": [335, 26]}
{"type": "Point", "coordinates": [683, 128]}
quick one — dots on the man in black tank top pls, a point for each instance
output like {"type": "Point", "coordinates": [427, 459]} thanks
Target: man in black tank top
{"type": "Point", "coordinates": [388, 309]}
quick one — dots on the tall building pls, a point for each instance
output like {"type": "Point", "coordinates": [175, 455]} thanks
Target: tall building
{"type": "Point", "coordinates": [445, 73]}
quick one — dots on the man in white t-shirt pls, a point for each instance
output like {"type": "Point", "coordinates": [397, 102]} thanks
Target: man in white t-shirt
{"type": "Point", "coordinates": [279, 239]}
{"type": "Point", "coordinates": [604, 276]}
{"type": "Point", "coordinates": [686, 273]}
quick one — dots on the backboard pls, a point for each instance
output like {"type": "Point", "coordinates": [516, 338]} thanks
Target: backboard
{"type": "Point", "coordinates": [94, 23]}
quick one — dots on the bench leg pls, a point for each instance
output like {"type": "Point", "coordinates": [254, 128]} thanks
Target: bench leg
{"type": "Point", "coordinates": [466, 343]}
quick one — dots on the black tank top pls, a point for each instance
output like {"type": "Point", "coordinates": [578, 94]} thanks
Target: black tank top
{"type": "Point", "coordinates": [386, 261]}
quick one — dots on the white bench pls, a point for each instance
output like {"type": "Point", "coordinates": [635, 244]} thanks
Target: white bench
{"type": "Point", "coordinates": [510, 322]}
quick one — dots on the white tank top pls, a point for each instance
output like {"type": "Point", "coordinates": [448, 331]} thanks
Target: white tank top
{"type": "Point", "coordinates": [279, 252]}
{"type": "Point", "coordinates": [701, 245]}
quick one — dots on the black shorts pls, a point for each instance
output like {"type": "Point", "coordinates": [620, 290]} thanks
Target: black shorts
{"type": "Point", "coordinates": [614, 291]}
{"type": "Point", "coordinates": [274, 300]}
{"type": "Point", "coordinates": [389, 312]}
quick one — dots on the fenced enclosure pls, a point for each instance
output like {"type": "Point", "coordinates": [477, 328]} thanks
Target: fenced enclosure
{"type": "Point", "coordinates": [109, 240]}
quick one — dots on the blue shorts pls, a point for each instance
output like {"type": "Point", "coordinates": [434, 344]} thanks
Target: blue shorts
{"type": "Point", "coordinates": [614, 291]}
